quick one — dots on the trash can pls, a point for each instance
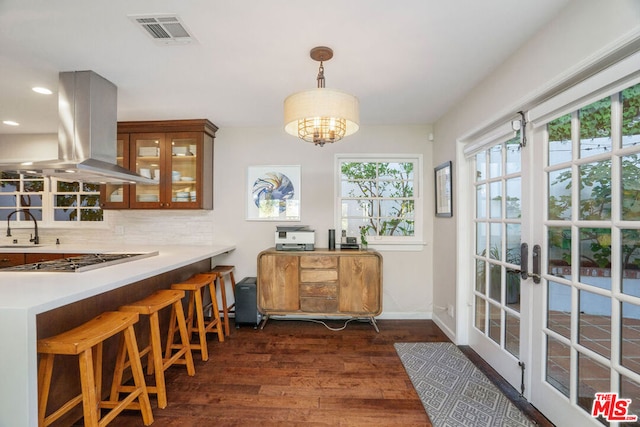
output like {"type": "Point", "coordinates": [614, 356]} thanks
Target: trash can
{"type": "Point", "coordinates": [247, 303]}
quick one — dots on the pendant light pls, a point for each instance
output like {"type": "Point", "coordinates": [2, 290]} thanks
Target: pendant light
{"type": "Point", "coordinates": [321, 115]}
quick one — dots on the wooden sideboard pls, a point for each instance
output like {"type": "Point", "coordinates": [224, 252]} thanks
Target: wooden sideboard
{"type": "Point", "coordinates": [320, 283]}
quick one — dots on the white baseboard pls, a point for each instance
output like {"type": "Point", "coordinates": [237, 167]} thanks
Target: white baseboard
{"type": "Point", "coordinates": [421, 315]}
{"type": "Point", "coordinates": [448, 332]}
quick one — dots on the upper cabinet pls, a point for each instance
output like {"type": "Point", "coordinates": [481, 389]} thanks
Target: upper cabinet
{"type": "Point", "coordinates": [177, 155]}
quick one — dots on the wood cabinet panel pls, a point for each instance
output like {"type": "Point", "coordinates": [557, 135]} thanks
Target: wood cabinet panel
{"type": "Point", "coordinates": [318, 275]}
{"type": "Point", "coordinates": [321, 261]}
{"type": "Point", "coordinates": [346, 283]}
{"type": "Point", "coordinates": [11, 259]}
{"type": "Point", "coordinates": [357, 295]}
{"type": "Point", "coordinates": [279, 289]}
{"type": "Point", "coordinates": [324, 290]}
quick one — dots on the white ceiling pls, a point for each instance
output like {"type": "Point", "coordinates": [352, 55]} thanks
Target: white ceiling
{"type": "Point", "coordinates": [408, 61]}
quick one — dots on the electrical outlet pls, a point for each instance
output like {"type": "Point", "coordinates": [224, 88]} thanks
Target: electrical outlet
{"type": "Point", "coordinates": [450, 310]}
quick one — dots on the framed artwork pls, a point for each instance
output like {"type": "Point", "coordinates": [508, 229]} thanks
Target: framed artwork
{"type": "Point", "coordinates": [273, 193]}
{"type": "Point", "coordinates": [444, 206]}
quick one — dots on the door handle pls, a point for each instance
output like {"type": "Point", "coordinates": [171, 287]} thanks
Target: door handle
{"type": "Point", "coordinates": [524, 263]}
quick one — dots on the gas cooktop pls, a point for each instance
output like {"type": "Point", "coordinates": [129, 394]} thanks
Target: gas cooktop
{"type": "Point", "coordinates": [80, 263]}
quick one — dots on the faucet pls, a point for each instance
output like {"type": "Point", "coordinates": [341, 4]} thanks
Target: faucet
{"type": "Point", "coordinates": [35, 239]}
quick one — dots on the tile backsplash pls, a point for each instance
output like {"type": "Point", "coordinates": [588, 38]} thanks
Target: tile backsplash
{"type": "Point", "coordinates": [160, 227]}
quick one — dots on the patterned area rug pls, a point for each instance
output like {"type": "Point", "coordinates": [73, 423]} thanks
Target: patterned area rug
{"type": "Point", "coordinates": [453, 391]}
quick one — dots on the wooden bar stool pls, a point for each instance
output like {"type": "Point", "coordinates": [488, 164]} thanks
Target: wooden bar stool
{"type": "Point", "coordinates": [194, 286]}
{"type": "Point", "coordinates": [82, 341]}
{"type": "Point", "coordinates": [221, 271]}
{"type": "Point", "coordinates": [150, 306]}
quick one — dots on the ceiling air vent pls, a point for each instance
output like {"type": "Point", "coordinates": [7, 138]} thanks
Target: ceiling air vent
{"type": "Point", "coordinates": [164, 29]}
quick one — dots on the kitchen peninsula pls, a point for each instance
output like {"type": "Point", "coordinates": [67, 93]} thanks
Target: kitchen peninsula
{"type": "Point", "coordinates": [27, 296]}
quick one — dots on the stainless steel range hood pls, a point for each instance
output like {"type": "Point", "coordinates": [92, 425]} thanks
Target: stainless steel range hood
{"type": "Point", "coordinates": [87, 129]}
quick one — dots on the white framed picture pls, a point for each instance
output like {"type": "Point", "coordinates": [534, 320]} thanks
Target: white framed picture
{"type": "Point", "coordinates": [273, 193]}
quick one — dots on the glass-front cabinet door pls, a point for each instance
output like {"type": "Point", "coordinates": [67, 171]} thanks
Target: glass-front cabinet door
{"type": "Point", "coordinates": [182, 169]}
{"type": "Point", "coordinates": [146, 151]}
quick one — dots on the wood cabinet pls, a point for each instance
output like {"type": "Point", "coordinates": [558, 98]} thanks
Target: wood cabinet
{"type": "Point", "coordinates": [11, 259]}
{"type": "Point", "coordinates": [177, 154]}
{"type": "Point", "coordinates": [320, 282]}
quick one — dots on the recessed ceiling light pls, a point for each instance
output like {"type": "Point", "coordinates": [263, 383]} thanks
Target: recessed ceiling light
{"type": "Point", "coordinates": [11, 123]}
{"type": "Point", "coordinates": [42, 90]}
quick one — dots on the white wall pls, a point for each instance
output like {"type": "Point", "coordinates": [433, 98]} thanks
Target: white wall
{"type": "Point", "coordinates": [577, 38]}
{"type": "Point", "coordinates": [407, 284]}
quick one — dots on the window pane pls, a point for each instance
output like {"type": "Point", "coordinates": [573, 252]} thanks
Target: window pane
{"type": "Point", "coordinates": [630, 389]}
{"type": "Point", "coordinates": [595, 257]}
{"type": "Point", "coordinates": [395, 171]}
{"type": "Point", "coordinates": [359, 189]}
{"type": "Point", "coordinates": [67, 187]}
{"type": "Point", "coordinates": [559, 252]}
{"type": "Point", "coordinates": [87, 200]}
{"type": "Point", "coordinates": [481, 278]}
{"type": "Point", "coordinates": [595, 128]}
{"type": "Point", "coordinates": [495, 282]}
{"type": "Point", "coordinates": [630, 337]}
{"type": "Point", "coordinates": [396, 227]}
{"type": "Point", "coordinates": [631, 188]}
{"type": "Point", "coordinates": [397, 208]}
{"type": "Point", "coordinates": [358, 208]}
{"type": "Point", "coordinates": [559, 308]}
{"type": "Point", "coordinates": [512, 334]}
{"type": "Point", "coordinates": [495, 251]}
{"type": "Point", "coordinates": [481, 316]}
{"type": "Point", "coordinates": [33, 186]}
{"type": "Point", "coordinates": [481, 239]}
{"type": "Point", "coordinates": [513, 198]}
{"type": "Point", "coordinates": [395, 189]}
{"type": "Point", "coordinates": [595, 191]}
{"type": "Point", "coordinates": [631, 116]}
{"type": "Point", "coordinates": [8, 186]}
{"type": "Point", "coordinates": [481, 201]}
{"type": "Point", "coordinates": [631, 262]}
{"type": "Point", "coordinates": [559, 140]}
{"type": "Point", "coordinates": [481, 166]}
{"type": "Point", "coordinates": [358, 170]}
{"type": "Point", "coordinates": [65, 214]}
{"type": "Point", "coordinates": [494, 323]}
{"type": "Point", "coordinates": [513, 155]}
{"type": "Point", "coordinates": [560, 194]}
{"type": "Point", "coordinates": [496, 199]}
{"type": "Point", "coordinates": [592, 377]}
{"type": "Point", "coordinates": [66, 200]}
{"type": "Point", "coordinates": [513, 243]}
{"type": "Point", "coordinates": [495, 161]}
{"type": "Point", "coordinates": [594, 322]}
{"type": "Point", "coordinates": [558, 365]}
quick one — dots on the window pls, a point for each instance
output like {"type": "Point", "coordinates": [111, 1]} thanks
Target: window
{"type": "Point", "coordinates": [50, 201]}
{"type": "Point", "coordinates": [379, 197]}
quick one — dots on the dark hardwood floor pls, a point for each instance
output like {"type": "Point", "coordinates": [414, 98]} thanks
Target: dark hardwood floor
{"type": "Point", "coordinates": [298, 373]}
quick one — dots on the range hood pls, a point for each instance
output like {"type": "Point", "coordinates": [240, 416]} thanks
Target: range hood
{"type": "Point", "coordinates": [87, 132]}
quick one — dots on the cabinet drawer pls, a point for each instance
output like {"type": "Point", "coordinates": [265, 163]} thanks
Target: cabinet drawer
{"type": "Point", "coordinates": [319, 261]}
{"type": "Point", "coordinates": [323, 290]}
{"type": "Point", "coordinates": [319, 305]}
{"type": "Point", "coordinates": [318, 275]}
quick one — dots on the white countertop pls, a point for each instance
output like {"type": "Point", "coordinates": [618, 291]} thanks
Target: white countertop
{"type": "Point", "coordinates": [25, 294]}
{"type": "Point", "coordinates": [42, 291]}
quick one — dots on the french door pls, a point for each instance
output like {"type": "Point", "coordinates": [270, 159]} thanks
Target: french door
{"type": "Point", "coordinates": [572, 195]}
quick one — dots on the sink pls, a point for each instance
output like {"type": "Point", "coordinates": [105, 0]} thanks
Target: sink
{"type": "Point", "coordinates": [19, 246]}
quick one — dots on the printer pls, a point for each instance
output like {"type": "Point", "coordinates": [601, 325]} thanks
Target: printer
{"type": "Point", "coordinates": [295, 238]}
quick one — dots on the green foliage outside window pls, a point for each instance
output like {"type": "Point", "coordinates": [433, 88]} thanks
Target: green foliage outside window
{"type": "Point", "coordinates": [384, 194]}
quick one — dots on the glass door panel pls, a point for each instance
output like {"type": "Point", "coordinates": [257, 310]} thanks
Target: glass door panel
{"type": "Point", "coordinates": [184, 169]}
{"type": "Point", "coordinates": [498, 225]}
{"type": "Point", "coordinates": [146, 152]}
{"type": "Point", "coordinates": [590, 330]}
